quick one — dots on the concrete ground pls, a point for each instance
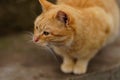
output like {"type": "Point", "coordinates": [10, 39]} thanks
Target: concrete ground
{"type": "Point", "coordinates": [20, 59]}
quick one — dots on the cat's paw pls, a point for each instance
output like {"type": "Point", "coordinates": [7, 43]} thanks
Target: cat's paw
{"type": "Point", "coordinates": [67, 68]}
{"type": "Point", "coordinates": [80, 69]}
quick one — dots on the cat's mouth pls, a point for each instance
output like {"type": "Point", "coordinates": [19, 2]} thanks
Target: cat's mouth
{"type": "Point", "coordinates": [35, 39]}
{"type": "Point", "coordinates": [39, 42]}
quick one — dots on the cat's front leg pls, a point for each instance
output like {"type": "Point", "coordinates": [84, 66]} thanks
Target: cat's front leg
{"type": "Point", "coordinates": [80, 66]}
{"type": "Point", "coordinates": [67, 65]}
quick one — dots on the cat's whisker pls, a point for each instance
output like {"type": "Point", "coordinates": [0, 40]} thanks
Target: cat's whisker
{"type": "Point", "coordinates": [29, 40]}
{"type": "Point", "coordinates": [29, 36]}
{"type": "Point", "coordinates": [49, 49]}
{"type": "Point", "coordinates": [52, 52]}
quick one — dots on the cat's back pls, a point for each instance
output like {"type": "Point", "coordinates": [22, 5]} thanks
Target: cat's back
{"type": "Point", "coordinates": [109, 6]}
{"type": "Point", "coordinates": [87, 3]}
{"type": "Point", "coordinates": [81, 4]}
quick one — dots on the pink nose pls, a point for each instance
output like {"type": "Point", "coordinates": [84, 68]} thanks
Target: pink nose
{"type": "Point", "coordinates": [36, 39]}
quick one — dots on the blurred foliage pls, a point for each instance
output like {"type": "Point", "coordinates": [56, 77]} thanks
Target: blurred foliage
{"type": "Point", "coordinates": [18, 15]}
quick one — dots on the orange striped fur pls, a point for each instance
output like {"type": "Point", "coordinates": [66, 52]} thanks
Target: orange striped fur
{"type": "Point", "coordinates": [77, 30]}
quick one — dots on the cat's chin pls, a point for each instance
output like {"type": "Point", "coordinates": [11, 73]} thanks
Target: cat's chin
{"type": "Point", "coordinates": [42, 44]}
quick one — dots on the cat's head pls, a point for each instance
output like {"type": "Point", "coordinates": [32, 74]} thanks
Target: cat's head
{"type": "Point", "coordinates": [53, 26]}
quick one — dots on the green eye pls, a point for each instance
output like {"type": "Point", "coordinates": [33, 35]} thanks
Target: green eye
{"type": "Point", "coordinates": [46, 33]}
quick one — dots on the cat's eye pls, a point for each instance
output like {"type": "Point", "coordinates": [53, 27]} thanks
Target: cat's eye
{"type": "Point", "coordinates": [46, 33]}
{"type": "Point", "coordinates": [37, 27]}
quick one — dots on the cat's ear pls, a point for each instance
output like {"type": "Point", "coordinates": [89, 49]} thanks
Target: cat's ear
{"type": "Point", "coordinates": [45, 5]}
{"type": "Point", "coordinates": [63, 17]}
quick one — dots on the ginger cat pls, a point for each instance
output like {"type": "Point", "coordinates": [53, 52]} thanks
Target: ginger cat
{"type": "Point", "coordinates": [77, 30]}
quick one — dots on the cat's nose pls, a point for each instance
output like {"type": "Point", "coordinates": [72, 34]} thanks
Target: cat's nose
{"type": "Point", "coordinates": [36, 39]}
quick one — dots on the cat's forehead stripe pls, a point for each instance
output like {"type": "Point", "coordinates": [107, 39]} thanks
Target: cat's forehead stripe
{"type": "Point", "coordinates": [38, 19]}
